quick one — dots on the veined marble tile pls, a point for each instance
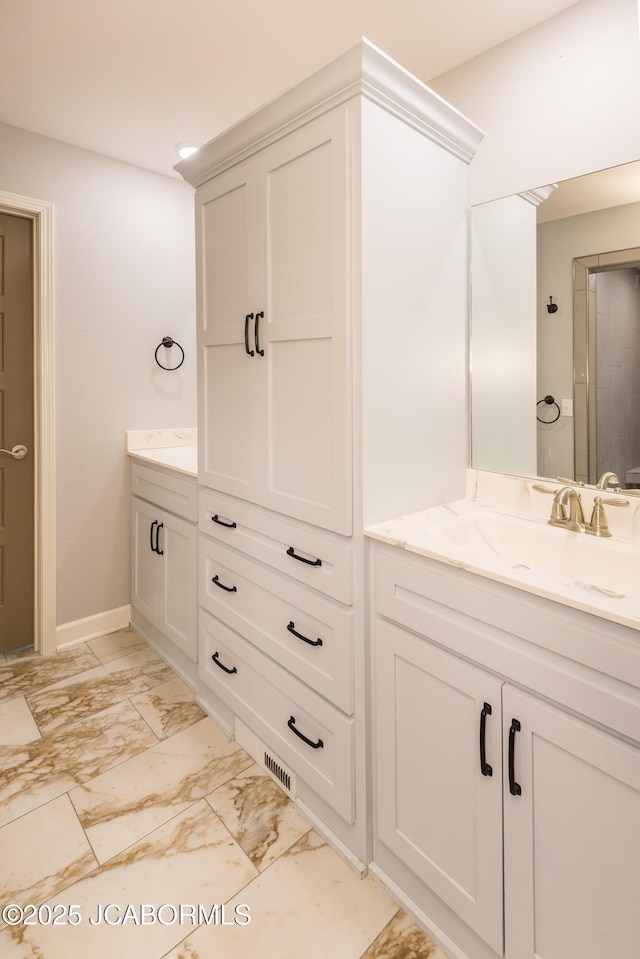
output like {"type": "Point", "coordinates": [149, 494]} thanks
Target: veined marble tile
{"type": "Point", "coordinates": [259, 815]}
{"type": "Point", "coordinates": [308, 903]}
{"type": "Point", "coordinates": [17, 725]}
{"type": "Point", "coordinates": [19, 676]}
{"type": "Point", "coordinates": [113, 682]}
{"type": "Point", "coordinates": [168, 708]}
{"type": "Point", "coordinates": [403, 939]}
{"type": "Point", "coordinates": [124, 804]}
{"type": "Point", "coordinates": [191, 860]}
{"type": "Point", "coordinates": [42, 853]}
{"type": "Point", "coordinates": [37, 772]}
{"type": "Point", "coordinates": [116, 645]}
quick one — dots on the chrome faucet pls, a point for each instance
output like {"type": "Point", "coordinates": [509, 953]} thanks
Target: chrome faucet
{"type": "Point", "coordinates": [567, 496]}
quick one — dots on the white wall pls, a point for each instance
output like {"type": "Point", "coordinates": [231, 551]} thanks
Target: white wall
{"type": "Point", "coordinates": [557, 101]}
{"type": "Point", "coordinates": [124, 278]}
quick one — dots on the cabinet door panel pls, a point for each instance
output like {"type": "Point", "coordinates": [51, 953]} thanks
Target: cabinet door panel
{"type": "Point", "coordinates": [178, 593]}
{"type": "Point", "coordinates": [228, 398]}
{"type": "Point", "coordinates": [144, 578]}
{"type": "Point", "coordinates": [226, 254]}
{"type": "Point", "coordinates": [305, 431]}
{"type": "Point", "coordinates": [572, 842]}
{"type": "Point", "coordinates": [227, 373]}
{"type": "Point", "coordinates": [435, 809]}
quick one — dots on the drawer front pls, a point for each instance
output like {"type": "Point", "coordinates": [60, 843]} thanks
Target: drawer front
{"type": "Point", "coordinates": [172, 491]}
{"type": "Point", "coordinates": [309, 635]}
{"type": "Point", "coordinates": [270, 702]}
{"type": "Point", "coordinates": [321, 560]}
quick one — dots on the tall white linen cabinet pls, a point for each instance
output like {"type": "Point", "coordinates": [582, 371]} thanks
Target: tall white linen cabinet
{"type": "Point", "coordinates": [331, 231]}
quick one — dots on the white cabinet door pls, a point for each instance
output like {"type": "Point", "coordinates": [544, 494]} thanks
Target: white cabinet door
{"type": "Point", "coordinates": [227, 302]}
{"type": "Point", "coordinates": [305, 419]}
{"type": "Point", "coordinates": [164, 574]}
{"type": "Point", "coordinates": [178, 588]}
{"type": "Point", "coordinates": [436, 810]}
{"type": "Point", "coordinates": [274, 344]}
{"type": "Point", "coordinates": [144, 575]}
{"type": "Point", "coordinates": [572, 836]}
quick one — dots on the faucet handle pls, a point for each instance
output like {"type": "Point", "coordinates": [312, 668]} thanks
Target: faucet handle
{"type": "Point", "coordinates": [598, 525]}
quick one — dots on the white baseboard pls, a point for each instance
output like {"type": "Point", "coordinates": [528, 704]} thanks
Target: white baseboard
{"type": "Point", "coordinates": [79, 631]}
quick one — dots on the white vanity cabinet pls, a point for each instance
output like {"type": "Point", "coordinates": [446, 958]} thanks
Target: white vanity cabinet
{"type": "Point", "coordinates": [487, 746]}
{"type": "Point", "coordinates": [164, 551]}
{"type": "Point", "coordinates": [331, 242]}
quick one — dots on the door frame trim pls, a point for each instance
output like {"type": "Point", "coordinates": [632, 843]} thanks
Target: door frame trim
{"type": "Point", "coordinates": [42, 215]}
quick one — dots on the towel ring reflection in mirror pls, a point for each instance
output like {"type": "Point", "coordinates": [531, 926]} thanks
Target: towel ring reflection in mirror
{"type": "Point", "coordinates": [548, 401]}
{"type": "Point", "coordinates": [168, 342]}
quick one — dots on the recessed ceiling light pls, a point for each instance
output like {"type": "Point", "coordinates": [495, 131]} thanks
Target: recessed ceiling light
{"type": "Point", "coordinates": [187, 149]}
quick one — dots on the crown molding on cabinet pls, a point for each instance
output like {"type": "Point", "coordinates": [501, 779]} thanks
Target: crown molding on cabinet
{"type": "Point", "coordinates": [363, 70]}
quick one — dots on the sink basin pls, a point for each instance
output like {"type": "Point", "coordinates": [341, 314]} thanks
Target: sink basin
{"type": "Point", "coordinates": [589, 572]}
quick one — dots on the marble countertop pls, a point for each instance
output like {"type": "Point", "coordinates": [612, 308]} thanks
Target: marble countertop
{"type": "Point", "coordinates": [173, 449]}
{"type": "Point", "coordinates": [575, 569]}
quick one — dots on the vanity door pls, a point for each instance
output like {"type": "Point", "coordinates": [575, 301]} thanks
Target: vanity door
{"type": "Point", "coordinates": [439, 774]}
{"type": "Point", "coordinates": [572, 835]}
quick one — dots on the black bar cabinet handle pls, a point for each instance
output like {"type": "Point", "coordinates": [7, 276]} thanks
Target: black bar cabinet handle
{"type": "Point", "coordinates": [227, 589]}
{"type": "Point", "coordinates": [216, 519]}
{"type": "Point", "coordinates": [309, 742]}
{"type": "Point", "coordinates": [514, 787]}
{"type": "Point", "coordinates": [259, 316]}
{"type": "Point", "coordinates": [226, 669]}
{"type": "Point", "coordinates": [485, 768]}
{"type": "Point", "coordinates": [248, 317]}
{"type": "Point", "coordinates": [159, 551]}
{"type": "Point", "coordinates": [152, 547]}
{"type": "Point", "coordinates": [301, 559]}
{"type": "Point", "coordinates": [311, 642]}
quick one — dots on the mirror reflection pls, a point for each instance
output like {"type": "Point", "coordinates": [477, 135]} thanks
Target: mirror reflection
{"type": "Point", "coordinates": [555, 330]}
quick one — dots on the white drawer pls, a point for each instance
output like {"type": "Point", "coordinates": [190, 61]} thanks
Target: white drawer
{"type": "Point", "coordinates": [316, 558]}
{"type": "Point", "coordinates": [173, 491]}
{"type": "Point", "coordinates": [269, 610]}
{"type": "Point", "coordinates": [271, 702]}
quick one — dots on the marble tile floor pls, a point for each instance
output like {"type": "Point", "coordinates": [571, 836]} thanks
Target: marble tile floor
{"type": "Point", "coordinates": [138, 829]}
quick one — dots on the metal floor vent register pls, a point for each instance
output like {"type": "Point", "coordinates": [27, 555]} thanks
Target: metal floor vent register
{"type": "Point", "coordinates": [265, 758]}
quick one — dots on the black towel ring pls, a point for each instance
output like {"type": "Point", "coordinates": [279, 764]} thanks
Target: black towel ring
{"type": "Point", "coordinates": [549, 400]}
{"type": "Point", "coordinates": [168, 343]}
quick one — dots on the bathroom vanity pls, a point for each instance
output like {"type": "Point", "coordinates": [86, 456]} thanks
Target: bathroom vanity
{"type": "Point", "coordinates": [459, 715]}
{"type": "Point", "coordinates": [506, 730]}
{"type": "Point", "coordinates": [164, 542]}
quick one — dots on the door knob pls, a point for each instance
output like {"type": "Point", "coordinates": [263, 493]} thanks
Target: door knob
{"type": "Point", "coordinates": [18, 452]}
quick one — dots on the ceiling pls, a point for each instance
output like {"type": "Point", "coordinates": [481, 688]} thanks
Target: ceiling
{"type": "Point", "coordinates": [131, 78]}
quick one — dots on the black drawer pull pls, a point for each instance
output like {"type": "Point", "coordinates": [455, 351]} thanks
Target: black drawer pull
{"type": "Point", "coordinates": [159, 551]}
{"type": "Point", "coordinates": [309, 742]}
{"type": "Point", "coordinates": [259, 316]}
{"type": "Point", "coordinates": [248, 317]}
{"type": "Point", "coordinates": [485, 768]}
{"type": "Point", "coordinates": [227, 589]}
{"type": "Point", "coordinates": [222, 666]}
{"type": "Point", "coordinates": [301, 559]}
{"type": "Point", "coordinates": [514, 787]}
{"type": "Point", "coordinates": [220, 522]}
{"type": "Point", "coordinates": [311, 642]}
{"type": "Point", "coordinates": [152, 547]}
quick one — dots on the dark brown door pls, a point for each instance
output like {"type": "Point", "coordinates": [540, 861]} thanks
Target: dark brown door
{"type": "Point", "coordinates": [16, 430]}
